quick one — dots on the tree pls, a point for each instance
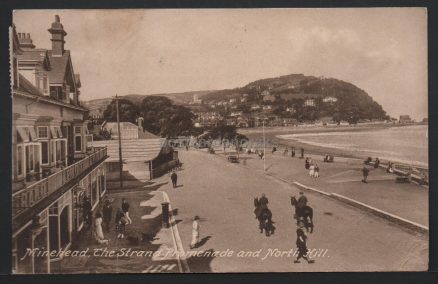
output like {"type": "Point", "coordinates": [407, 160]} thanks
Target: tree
{"type": "Point", "coordinates": [128, 111]}
{"type": "Point", "coordinates": [162, 117]}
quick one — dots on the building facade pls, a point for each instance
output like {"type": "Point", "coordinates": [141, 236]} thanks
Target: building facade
{"type": "Point", "coordinates": [54, 168]}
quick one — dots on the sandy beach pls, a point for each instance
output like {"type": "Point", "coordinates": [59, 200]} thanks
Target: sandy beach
{"type": "Point", "coordinates": [272, 135]}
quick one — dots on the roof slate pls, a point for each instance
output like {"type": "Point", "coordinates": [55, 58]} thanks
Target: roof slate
{"type": "Point", "coordinates": [59, 67]}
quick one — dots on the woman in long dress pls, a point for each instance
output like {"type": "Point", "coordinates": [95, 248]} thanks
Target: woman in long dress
{"type": "Point", "coordinates": [98, 229]}
{"type": "Point", "coordinates": [312, 170]}
{"type": "Point", "coordinates": [195, 232]}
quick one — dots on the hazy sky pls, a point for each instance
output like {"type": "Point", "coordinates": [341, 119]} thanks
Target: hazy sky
{"type": "Point", "coordinates": [381, 50]}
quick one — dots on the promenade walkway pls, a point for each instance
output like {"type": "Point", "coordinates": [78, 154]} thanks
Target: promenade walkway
{"type": "Point", "coordinates": [145, 212]}
{"type": "Point", "coordinates": [409, 201]}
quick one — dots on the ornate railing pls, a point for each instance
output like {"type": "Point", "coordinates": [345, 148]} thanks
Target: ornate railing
{"type": "Point", "coordinates": [27, 197]}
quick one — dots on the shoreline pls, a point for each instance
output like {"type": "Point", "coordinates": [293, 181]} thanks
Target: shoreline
{"type": "Point", "coordinates": [272, 134]}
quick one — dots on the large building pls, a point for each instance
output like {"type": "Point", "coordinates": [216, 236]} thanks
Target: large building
{"type": "Point", "coordinates": [54, 168]}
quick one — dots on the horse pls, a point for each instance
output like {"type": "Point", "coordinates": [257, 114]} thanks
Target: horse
{"type": "Point", "coordinates": [304, 214]}
{"type": "Point", "coordinates": [264, 216]}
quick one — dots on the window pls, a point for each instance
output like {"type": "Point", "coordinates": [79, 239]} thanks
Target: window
{"type": "Point", "coordinates": [78, 129]}
{"type": "Point", "coordinates": [43, 132]}
{"type": "Point", "coordinates": [19, 160]}
{"type": "Point", "coordinates": [78, 138]}
{"type": "Point", "coordinates": [58, 150]}
{"type": "Point", "coordinates": [30, 160]}
{"type": "Point", "coordinates": [53, 152]}
{"type": "Point", "coordinates": [44, 152]}
{"type": "Point", "coordinates": [78, 143]}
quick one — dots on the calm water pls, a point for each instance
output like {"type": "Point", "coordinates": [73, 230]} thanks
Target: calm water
{"type": "Point", "coordinates": [408, 144]}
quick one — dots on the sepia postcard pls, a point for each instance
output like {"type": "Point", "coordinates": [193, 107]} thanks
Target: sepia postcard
{"type": "Point", "coordinates": [219, 140]}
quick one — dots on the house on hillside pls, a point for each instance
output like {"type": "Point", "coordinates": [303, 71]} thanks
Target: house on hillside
{"type": "Point", "coordinates": [265, 93]}
{"type": "Point", "coordinates": [329, 99]}
{"type": "Point", "coordinates": [269, 98]}
{"type": "Point", "coordinates": [290, 109]}
{"type": "Point", "coordinates": [309, 102]}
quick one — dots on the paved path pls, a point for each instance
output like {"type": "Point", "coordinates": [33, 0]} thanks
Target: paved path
{"type": "Point", "coordinates": [222, 193]}
{"type": "Point", "coordinates": [344, 176]}
{"type": "Point", "coordinates": [145, 211]}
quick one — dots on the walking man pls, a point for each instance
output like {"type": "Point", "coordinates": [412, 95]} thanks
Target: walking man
{"type": "Point", "coordinates": [125, 209]}
{"type": "Point", "coordinates": [301, 243]}
{"type": "Point", "coordinates": [365, 172]}
{"type": "Point", "coordinates": [107, 212]}
{"type": "Point", "coordinates": [174, 178]}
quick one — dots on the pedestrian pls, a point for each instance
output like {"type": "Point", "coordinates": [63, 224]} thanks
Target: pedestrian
{"type": "Point", "coordinates": [365, 172]}
{"type": "Point", "coordinates": [302, 153]}
{"type": "Point", "coordinates": [390, 169]}
{"type": "Point", "coordinates": [120, 224]}
{"type": "Point", "coordinates": [312, 170]}
{"type": "Point", "coordinates": [98, 232]}
{"type": "Point", "coordinates": [174, 178]}
{"type": "Point", "coordinates": [301, 243]}
{"type": "Point", "coordinates": [107, 212]}
{"type": "Point", "coordinates": [307, 163]}
{"type": "Point", "coordinates": [376, 163]}
{"type": "Point", "coordinates": [293, 152]}
{"type": "Point", "coordinates": [195, 232]}
{"type": "Point", "coordinates": [87, 212]}
{"type": "Point", "coordinates": [125, 209]}
{"type": "Point", "coordinates": [316, 173]}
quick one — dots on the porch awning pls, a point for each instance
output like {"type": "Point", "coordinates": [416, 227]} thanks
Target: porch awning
{"type": "Point", "coordinates": [32, 133]}
{"type": "Point", "coordinates": [58, 130]}
{"type": "Point", "coordinates": [53, 131]}
{"type": "Point", "coordinates": [23, 132]}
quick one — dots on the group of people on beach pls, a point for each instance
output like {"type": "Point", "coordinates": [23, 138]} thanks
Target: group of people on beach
{"type": "Point", "coordinates": [312, 167]}
{"type": "Point", "coordinates": [103, 218]}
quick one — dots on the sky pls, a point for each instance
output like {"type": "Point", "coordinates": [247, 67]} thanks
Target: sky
{"type": "Point", "coordinates": [381, 50]}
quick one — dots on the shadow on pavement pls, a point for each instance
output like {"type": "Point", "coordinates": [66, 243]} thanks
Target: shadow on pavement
{"type": "Point", "coordinates": [203, 241]}
{"type": "Point", "coordinates": [201, 264]}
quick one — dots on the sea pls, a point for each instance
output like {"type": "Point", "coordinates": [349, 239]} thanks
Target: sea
{"type": "Point", "coordinates": [402, 144]}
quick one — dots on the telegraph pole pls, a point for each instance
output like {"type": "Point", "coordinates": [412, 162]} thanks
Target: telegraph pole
{"type": "Point", "coordinates": [120, 143]}
{"type": "Point", "coordinates": [264, 147]}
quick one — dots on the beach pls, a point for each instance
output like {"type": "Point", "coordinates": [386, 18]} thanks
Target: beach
{"type": "Point", "coordinates": [404, 145]}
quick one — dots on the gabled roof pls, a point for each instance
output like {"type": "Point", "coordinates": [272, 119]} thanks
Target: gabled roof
{"type": "Point", "coordinates": [59, 67]}
{"type": "Point", "coordinates": [27, 87]}
{"type": "Point", "coordinates": [78, 80]}
{"type": "Point", "coordinates": [37, 55]}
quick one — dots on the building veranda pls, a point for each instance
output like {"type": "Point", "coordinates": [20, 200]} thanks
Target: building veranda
{"type": "Point", "coordinates": [54, 166]}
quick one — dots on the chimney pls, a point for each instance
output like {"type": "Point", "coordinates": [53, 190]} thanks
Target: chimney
{"type": "Point", "coordinates": [58, 34]}
{"type": "Point", "coordinates": [25, 41]}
